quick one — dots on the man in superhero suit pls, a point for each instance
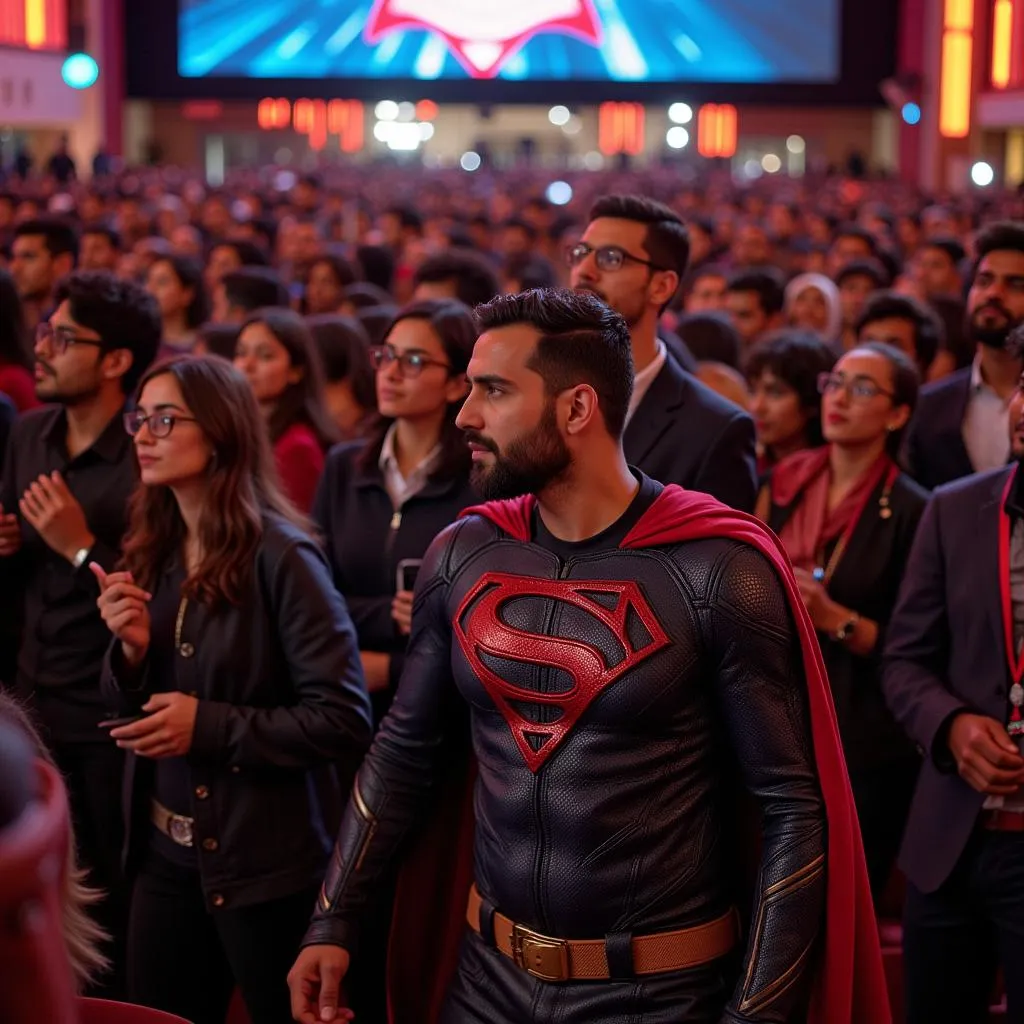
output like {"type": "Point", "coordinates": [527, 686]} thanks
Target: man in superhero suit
{"type": "Point", "coordinates": [626, 652]}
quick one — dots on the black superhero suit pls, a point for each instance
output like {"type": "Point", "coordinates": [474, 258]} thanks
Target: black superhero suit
{"type": "Point", "coordinates": [612, 694]}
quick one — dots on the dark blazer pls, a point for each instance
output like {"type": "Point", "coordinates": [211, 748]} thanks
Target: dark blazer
{"type": "Point", "coordinates": [867, 580]}
{"type": "Point", "coordinates": [945, 653]}
{"type": "Point", "coordinates": [684, 433]}
{"type": "Point", "coordinates": [281, 694]}
{"type": "Point", "coordinates": [364, 541]}
{"type": "Point", "coordinates": [935, 452]}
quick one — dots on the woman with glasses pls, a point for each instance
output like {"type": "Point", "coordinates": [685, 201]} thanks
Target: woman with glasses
{"type": "Point", "coordinates": [379, 505]}
{"type": "Point", "coordinates": [277, 355]}
{"type": "Point", "coordinates": [383, 500]}
{"type": "Point", "coordinates": [232, 680]}
{"type": "Point", "coordinates": [847, 516]}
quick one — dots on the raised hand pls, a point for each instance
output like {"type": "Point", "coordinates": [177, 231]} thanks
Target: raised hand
{"type": "Point", "coordinates": [125, 609]}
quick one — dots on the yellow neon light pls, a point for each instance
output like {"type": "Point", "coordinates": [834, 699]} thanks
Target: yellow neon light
{"type": "Point", "coordinates": [35, 23]}
{"type": "Point", "coordinates": [1002, 43]}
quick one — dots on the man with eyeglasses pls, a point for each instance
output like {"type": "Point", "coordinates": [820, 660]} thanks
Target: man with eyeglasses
{"type": "Point", "coordinates": [67, 477]}
{"type": "Point", "coordinates": [633, 256]}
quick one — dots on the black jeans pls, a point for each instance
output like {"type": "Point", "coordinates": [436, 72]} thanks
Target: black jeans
{"type": "Point", "coordinates": [93, 774]}
{"type": "Point", "coordinates": [955, 938]}
{"type": "Point", "coordinates": [187, 960]}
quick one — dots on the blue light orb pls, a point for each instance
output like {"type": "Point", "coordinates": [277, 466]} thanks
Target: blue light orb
{"type": "Point", "coordinates": [80, 71]}
{"type": "Point", "coordinates": [911, 113]}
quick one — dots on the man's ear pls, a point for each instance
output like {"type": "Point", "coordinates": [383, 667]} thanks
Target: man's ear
{"type": "Point", "coordinates": [116, 363]}
{"type": "Point", "coordinates": [664, 284]}
{"type": "Point", "coordinates": [583, 408]}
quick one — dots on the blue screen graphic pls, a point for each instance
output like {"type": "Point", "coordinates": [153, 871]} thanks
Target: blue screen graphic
{"type": "Point", "coordinates": [739, 41]}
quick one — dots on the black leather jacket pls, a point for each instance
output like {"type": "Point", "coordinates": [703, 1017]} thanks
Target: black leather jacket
{"type": "Point", "coordinates": [281, 693]}
{"type": "Point", "coordinates": [687, 667]}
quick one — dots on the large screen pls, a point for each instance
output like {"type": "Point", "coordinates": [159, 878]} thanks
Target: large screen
{"type": "Point", "coordinates": [615, 41]}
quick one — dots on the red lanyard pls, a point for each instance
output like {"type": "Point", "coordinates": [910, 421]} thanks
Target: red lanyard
{"type": "Point", "coordinates": [1014, 660]}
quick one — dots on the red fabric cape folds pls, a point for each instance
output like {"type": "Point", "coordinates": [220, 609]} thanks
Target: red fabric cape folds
{"type": "Point", "coordinates": [849, 984]}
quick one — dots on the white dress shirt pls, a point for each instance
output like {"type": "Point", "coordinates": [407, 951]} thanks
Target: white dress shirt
{"type": "Point", "coordinates": [986, 430]}
{"type": "Point", "coordinates": [644, 378]}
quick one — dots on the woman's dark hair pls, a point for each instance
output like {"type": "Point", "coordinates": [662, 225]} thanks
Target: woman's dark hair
{"type": "Point", "coordinates": [796, 358]}
{"type": "Point", "coordinates": [344, 348]}
{"type": "Point", "coordinates": [342, 269]}
{"type": "Point", "coordinates": [362, 294]}
{"type": "Point", "coordinates": [219, 339]}
{"type": "Point", "coordinates": [453, 324]}
{"type": "Point", "coordinates": [243, 485]}
{"type": "Point", "coordinates": [189, 273]}
{"type": "Point", "coordinates": [906, 382]}
{"type": "Point", "coordinates": [302, 401]}
{"type": "Point", "coordinates": [376, 321]}
{"type": "Point", "coordinates": [711, 337]}
{"type": "Point", "coordinates": [13, 339]}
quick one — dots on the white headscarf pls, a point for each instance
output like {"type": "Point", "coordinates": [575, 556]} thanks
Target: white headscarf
{"type": "Point", "coordinates": [827, 287]}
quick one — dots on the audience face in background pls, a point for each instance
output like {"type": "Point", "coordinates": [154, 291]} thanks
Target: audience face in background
{"type": "Point", "coordinates": [707, 294]}
{"type": "Point", "coordinates": [779, 416]}
{"type": "Point", "coordinates": [265, 364]}
{"type": "Point", "coordinates": [857, 405]}
{"type": "Point", "coordinates": [324, 291]}
{"type": "Point", "coordinates": [98, 252]}
{"type": "Point", "coordinates": [35, 270]}
{"type": "Point", "coordinates": [166, 287]}
{"type": "Point", "coordinates": [809, 311]}
{"type": "Point", "coordinates": [180, 458]}
{"type": "Point", "coordinates": [995, 304]}
{"type": "Point", "coordinates": [934, 272]}
{"type": "Point", "coordinates": [222, 260]}
{"type": "Point", "coordinates": [404, 393]}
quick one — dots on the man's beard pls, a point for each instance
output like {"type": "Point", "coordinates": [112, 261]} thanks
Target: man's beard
{"type": "Point", "coordinates": [531, 462]}
{"type": "Point", "coordinates": [50, 390]}
{"type": "Point", "coordinates": [992, 337]}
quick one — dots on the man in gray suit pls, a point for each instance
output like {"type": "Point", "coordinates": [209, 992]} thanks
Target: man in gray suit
{"type": "Point", "coordinates": [632, 256]}
{"type": "Point", "coordinates": [953, 675]}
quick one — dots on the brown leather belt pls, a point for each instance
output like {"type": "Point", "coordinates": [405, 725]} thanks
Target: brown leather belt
{"type": "Point", "coordinates": [586, 959]}
{"type": "Point", "coordinates": [178, 828]}
{"type": "Point", "coordinates": [1003, 821]}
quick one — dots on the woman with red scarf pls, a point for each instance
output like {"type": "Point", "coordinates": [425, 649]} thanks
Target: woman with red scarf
{"type": "Point", "coordinates": [847, 516]}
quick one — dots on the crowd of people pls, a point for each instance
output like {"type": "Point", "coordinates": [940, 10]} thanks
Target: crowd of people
{"type": "Point", "coordinates": [233, 422]}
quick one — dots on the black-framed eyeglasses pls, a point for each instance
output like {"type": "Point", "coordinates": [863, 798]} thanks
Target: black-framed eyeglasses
{"type": "Point", "coordinates": [607, 257]}
{"type": "Point", "coordinates": [410, 364]}
{"type": "Point", "coordinates": [60, 339]}
{"type": "Point", "coordinates": [863, 388]}
{"type": "Point", "coordinates": [160, 423]}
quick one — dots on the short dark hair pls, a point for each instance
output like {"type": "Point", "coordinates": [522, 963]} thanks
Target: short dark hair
{"type": "Point", "coordinates": [252, 288]}
{"type": "Point", "coordinates": [362, 294]}
{"type": "Point", "coordinates": [122, 313]}
{"type": "Point", "coordinates": [219, 339]}
{"type": "Point", "coordinates": [949, 245]}
{"type": "Point", "coordinates": [344, 348]}
{"type": "Point", "coordinates": [766, 283]}
{"type": "Point", "coordinates": [58, 236]}
{"type": "Point", "coordinates": [530, 272]}
{"type": "Point", "coordinates": [249, 253]}
{"type": "Point", "coordinates": [453, 324]}
{"type": "Point", "coordinates": [112, 235]}
{"type": "Point", "coordinates": [856, 231]}
{"type": "Point", "coordinates": [409, 218]}
{"type": "Point", "coordinates": [1003, 235]}
{"type": "Point", "coordinates": [667, 241]}
{"type": "Point", "coordinates": [928, 327]}
{"type": "Point", "coordinates": [864, 268]}
{"type": "Point", "coordinates": [581, 341]}
{"type": "Point", "coordinates": [303, 400]}
{"type": "Point", "coordinates": [711, 337]}
{"type": "Point", "coordinates": [189, 273]}
{"type": "Point", "coordinates": [797, 358]}
{"type": "Point", "coordinates": [378, 265]}
{"type": "Point", "coordinates": [377, 320]}
{"type": "Point", "coordinates": [906, 382]}
{"type": "Point", "coordinates": [518, 224]}
{"type": "Point", "coordinates": [474, 277]}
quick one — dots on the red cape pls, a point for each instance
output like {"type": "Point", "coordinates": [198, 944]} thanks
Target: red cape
{"type": "Point", "coordinates": [849, 983]}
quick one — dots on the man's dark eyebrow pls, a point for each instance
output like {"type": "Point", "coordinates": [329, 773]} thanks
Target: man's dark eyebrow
{"type": "Point", "coordinates": [489, 378]}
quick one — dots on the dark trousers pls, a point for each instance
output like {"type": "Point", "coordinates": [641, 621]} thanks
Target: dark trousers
{"type": "Point", "coordinates": [882, 795]}
{"type": "Point", "coordinates": [93, 774]}
{"type": "Point", "coordinates": [185, 959]}
{"type": "Point", "coordinates": [955, 938]}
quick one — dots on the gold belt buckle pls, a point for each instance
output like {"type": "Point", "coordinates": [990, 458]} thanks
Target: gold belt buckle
{"type": "Point", "coordinates": [542, 957]}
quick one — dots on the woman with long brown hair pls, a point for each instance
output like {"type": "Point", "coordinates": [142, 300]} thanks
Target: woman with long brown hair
{"type": "Point", "coordinates": [278, 356]}
{"type": "Point", "coordinates": [238, 658]}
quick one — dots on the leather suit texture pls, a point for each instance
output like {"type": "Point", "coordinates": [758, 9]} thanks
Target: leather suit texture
{"type": "Point", "coordinates": [615, 699]}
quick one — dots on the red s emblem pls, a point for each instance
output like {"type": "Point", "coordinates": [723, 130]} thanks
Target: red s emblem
{"type": "Point", "coordinates": [484, 36]}
{"type": "Point", "coordinates": [481, 630]}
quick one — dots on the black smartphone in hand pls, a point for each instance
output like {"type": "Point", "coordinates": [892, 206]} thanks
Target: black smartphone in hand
{"type": "Point", "coordinates": [116, 723]}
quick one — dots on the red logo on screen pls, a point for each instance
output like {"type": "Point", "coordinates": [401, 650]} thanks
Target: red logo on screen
{"type": "Point", "coordinates": [484, 36]}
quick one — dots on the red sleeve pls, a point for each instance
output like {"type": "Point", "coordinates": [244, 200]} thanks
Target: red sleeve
{"type": "Point", "coordinates": [300, 461]}
{"type": "Point", "coordinates": [19, 386]}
